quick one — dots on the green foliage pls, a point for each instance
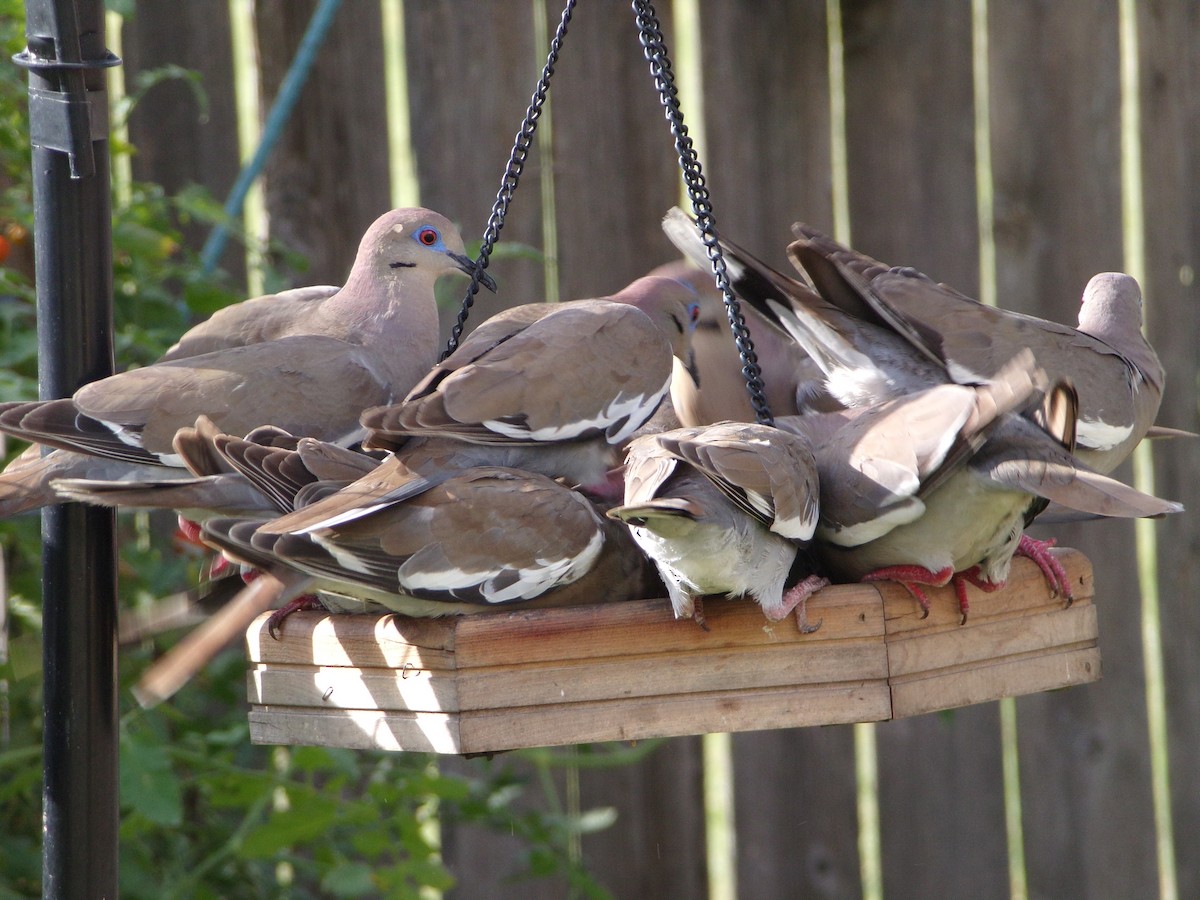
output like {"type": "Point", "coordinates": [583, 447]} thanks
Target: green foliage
{"type": "Point", "coordinates": [203, 812]}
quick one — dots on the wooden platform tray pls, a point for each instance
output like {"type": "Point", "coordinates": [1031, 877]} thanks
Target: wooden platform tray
{"type": "Point", "coordinates": [499, 681]}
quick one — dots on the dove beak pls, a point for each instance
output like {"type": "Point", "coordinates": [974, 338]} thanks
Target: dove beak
{"type": "Point", "coordinates": [468, 265]}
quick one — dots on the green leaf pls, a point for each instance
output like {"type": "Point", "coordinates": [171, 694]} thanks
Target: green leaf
{"type": "Point", "coordinates": [350, 879]}
{"type": "Point", "coordinates": [148, 784]}
{"type": "Point", "coordinates": [308, 818]}
{"type": "Point", "coordinates": [205, 295]}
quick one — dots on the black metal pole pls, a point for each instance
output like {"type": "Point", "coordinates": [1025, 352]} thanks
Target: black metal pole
{"type": "Point", "coordinates": [66, 56]}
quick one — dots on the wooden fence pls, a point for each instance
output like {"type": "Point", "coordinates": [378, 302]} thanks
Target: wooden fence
{"type": "Point", "coordinates": [912, 82]}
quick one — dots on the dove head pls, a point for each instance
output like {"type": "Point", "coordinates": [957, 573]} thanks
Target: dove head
{"type": "Point", "coordinates": [674, 306]}
{"type": "Point", "coordinates": [414, 241]}
{"type": "Point", "coordinates": [1111, 311]}
{"type": "Point", "coordinates": [1111, 306]}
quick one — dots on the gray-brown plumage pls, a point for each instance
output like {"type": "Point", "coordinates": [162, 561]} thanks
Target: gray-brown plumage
{"type": "Point", "coordinates": [486, 539]}
{"type": "Point", "coordinates": [310, 365]}
{"type": "Point", "coordinates": [548, 388]}
{"type": "Point", "coordinates": [879, 332]}
{"type": "Point", "coordinates": [260, 474]}
{"type": "Point", "coordinates": [1115, 371]}
{"type": "Point", "coordinates": [934, 486]}
{"type": "Point", "coordinates": [28, 482]}
{"type": "Point", "coordinates": [554, 372]}
{"type": "Point", "coordinates": [723, 509]}
{"type": "Point", "coordinates": [252, 321]}
{"type": "Point", "coordinates": [862, 362]}
{"type": "Point", "coordinates": [718, 391]}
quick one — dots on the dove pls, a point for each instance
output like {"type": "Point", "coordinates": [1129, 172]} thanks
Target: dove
{"type": "Point", "coordinates": [862, 362]}
{"type": "Point", "coordinates": [718, 392]}
{"type": "Point", "coordinates": [724, 509]}
{"type": "Point", "coordinates": [485, 539]}
{"type": "Point", "coordinates": [585, 367]}
{"type": "Point", "coordinates": [1115, 371]}
{"type": "Point", "coordinates": [879, 332]}
{"type": "Point", "coordinates": [933, 487]}
{"type": "Point", "coordinates": [548, 388]}
{"type": "Point", "coordinates": [308, 361]}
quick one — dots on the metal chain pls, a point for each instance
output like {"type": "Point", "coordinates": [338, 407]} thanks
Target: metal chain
{"type": "Point", "coordinates": [655, 51]}
{"type": "Point", "coordinates": [512, 174]}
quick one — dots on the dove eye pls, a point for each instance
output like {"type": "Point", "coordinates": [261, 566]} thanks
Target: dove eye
{"type": "Point", "coordinates": [428, 236]}
{"type": "Point", "coordinates": [694, 311]}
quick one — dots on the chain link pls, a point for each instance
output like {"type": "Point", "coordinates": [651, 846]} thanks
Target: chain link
{"type": "Point", "coordinates": [655, 51]}
{"type": "Point", "coordinates": [512, 174]}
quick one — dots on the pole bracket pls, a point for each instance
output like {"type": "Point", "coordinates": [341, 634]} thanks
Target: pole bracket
{"type": "Point", "coordinates": [63, 114]}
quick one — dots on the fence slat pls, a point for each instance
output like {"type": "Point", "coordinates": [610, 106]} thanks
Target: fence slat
{"type": "Point", "coordinates": [1170, 70]}
{"type": "Point", "coordinates": [471, 72]}
{"type": "Point", "coordinates": [328, 177]}
{"type": "Point", "coordinates": [767, 152]}
{"type": "Point", "coordinates": [1056, 152]}
{"type": "Point", "coordinates": [910, 137]}
{"type": "Point", "coordinates": [179, 141]}
{"type": "Point", "coordinates": [615, 176]}
{"type": "Point", "coordinates": [615, 168]}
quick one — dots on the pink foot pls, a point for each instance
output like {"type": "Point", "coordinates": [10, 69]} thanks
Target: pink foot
{"type": "Point", "coordinates": [1052, 569]}
{"type": "Point", "coordinates": [796, 598]}
{"type": "Point", "coordinates": [304, 601]}
{"type": "Point", "coordinates": [220, 566]}
{"type": "Point", "coordinates": [971, 576]}
{"type": "Point", "coordinates": [911, 578]}
{"type": "Point", "coordinates": [190, 532]}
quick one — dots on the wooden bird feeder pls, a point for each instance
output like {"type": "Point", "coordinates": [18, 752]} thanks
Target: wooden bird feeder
{"type": "Point", "coordinates": [629, 671]}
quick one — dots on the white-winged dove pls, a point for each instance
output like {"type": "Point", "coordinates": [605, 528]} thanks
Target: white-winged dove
{"type": "Point", "coordinates": [863, 362]}
{"type": "Point", "coordinates": [718, 391]}
{"type": "Point", "coordinates": [934, 486]}
{"type": "Point", "coordinates": [554, 372]}
{"type": "Point", "coordinates": [485, 539]}
{"type": "Point", "coordinates": [723, 509]}
{"type": "Point", "coordinates": [310, 365]}
{"type": "Point", "coordinates": [1115, 371]}
{"type": "Point", "coordinates": [880, 331]}
{"type": "Point", "coordinates": [548, 388]}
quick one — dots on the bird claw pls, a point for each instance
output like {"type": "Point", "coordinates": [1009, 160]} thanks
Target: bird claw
{"type": "Point", "coordinates": [608, 490]}
{"type": "Point", "coordinates": [219, 566]}
{"type": "Point", "coordinates": [275, 622]}
{"type": "Point", "coordinates": [911, 578]}
{"type": "Point", "coordinates": [796, 598]}
{"type": "Point", "coordinates": [971, 576]}
{"type": "Point", "coordinates": [802, 621]}
{"type": "Point", "coordinates": [1052, 569]}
